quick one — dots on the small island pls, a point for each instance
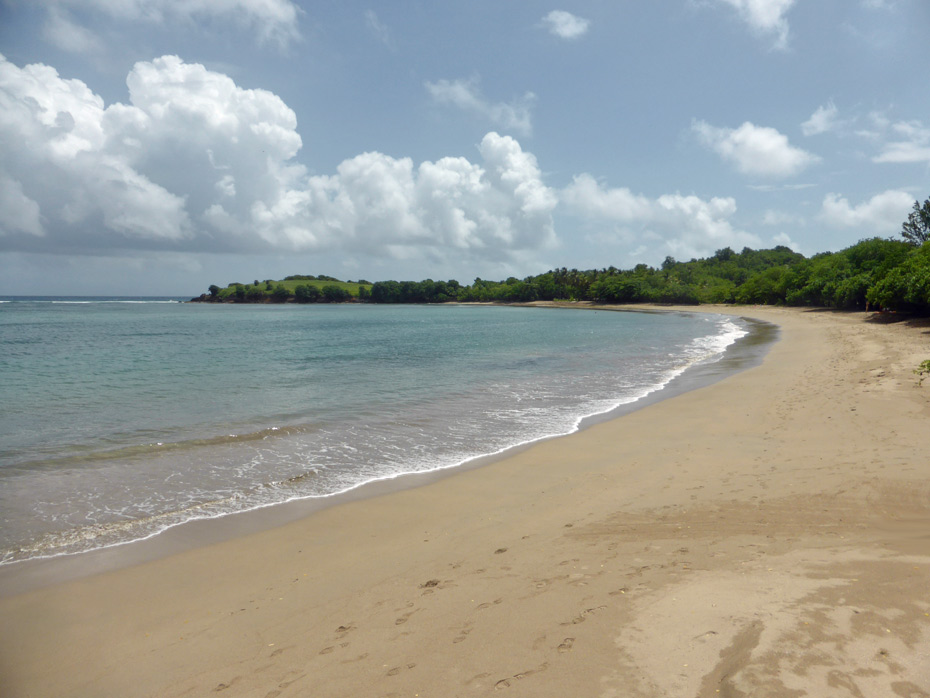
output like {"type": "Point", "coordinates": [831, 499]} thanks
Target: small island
{"type": "Point", "coordinates": [292, 289]}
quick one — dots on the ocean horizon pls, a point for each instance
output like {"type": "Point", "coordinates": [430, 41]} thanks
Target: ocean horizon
{"type": "Point", "coordinates": [126, 416]}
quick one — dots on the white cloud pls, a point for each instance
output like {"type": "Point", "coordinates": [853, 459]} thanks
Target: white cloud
{"type": "Point", "coordinates": [786, 241]}
{"type": "Point", "coordinates": [55, 143]}
{"type": "Point", "coordinates": [880, 215]}
{"type": "Point", "coordinates": [755, 150]}
{"type": "Point", "coordinates": [912, 144]}
{"type": "Point", "coordinates": [60, 30]}
{"type": "Point", "coordinates": [194, 162]}
{"type": "Point", "coordinates": [589, 197]}
{"type": "Point", "coordinates": [765, 17]}
{"type": "Point", "coordinates": [379, 29]}
{"type": "Point", "coordinates": [565, 25]}
{"type": "Point", "coordinates": [273, 20]}
{"type": "Point", "coordinates": [688, 226]}
{"type": "Point", "coordinates": [821, 121]}
{"type": "Point", "coordinates": [385, 205]}
{"type": "Point", "coordinates": [466, 95]}
{"type": "Point", "coordinates": [772, 217]}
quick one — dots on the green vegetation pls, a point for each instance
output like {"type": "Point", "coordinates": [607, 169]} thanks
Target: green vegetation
{"type": "Point", "coordinates": [297, 289]}
{"type": "Point", "coordinates": [922, 371]}
{"type": "Point", "coordinates": [875, 273]}
{"type": "Point", "coordinates": [916, 229]}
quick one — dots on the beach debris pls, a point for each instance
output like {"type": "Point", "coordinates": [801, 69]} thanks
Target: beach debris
{"type": "Point", "coordinates": [500, 550]}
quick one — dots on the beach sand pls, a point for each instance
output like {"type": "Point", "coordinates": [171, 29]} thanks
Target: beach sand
{"type": "Point", "coordinates": [767, 535]}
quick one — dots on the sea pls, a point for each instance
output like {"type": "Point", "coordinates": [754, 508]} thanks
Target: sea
{"type": "Point", "coordinates": [123, 417]}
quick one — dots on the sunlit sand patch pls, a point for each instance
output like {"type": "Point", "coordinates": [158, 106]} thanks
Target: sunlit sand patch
{"type": "Point", "coordinates": [812, 622]}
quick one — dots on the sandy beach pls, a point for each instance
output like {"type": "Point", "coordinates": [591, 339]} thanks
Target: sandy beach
{"type": "Point", "coordinates": [767, 535]}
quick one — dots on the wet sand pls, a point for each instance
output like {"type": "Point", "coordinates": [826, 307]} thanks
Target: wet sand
{"type": "Point", "coordinates": [767, 535]}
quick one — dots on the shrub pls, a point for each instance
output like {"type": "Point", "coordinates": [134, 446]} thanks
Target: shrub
{"type": "Point", "coordinates": [305, 293]}
{"type": "Point", "coordinates": [335, 294]}
{"type": "Point", "coordinates": [280, 294]}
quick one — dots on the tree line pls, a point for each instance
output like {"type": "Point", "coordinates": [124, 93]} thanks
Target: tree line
{"type": "Point", "coordinates": [874, 273]}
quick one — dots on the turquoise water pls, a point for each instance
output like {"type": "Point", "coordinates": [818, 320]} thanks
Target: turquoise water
{"type": "Point", "coordinates": [119, 419]}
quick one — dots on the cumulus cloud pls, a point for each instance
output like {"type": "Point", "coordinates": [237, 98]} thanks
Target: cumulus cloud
{"type": "Point", "coordinates": [765, 17]}
{"type": "Point", "coordinates": [194, 162]}
{"type": "Point", "coordinates": [688, 226]}
{"type": "Point", "coordinates": [565, 25]}
{"type": "Point", "coordinates": [880, 215]}
{"type": "Point", "coordinates": [273, 20]}
{"type": "Point", "coordinates": [466, 95]}
{"type": "Point", "coordinates": [821, 121]}
{"type": "Point", "coordinates": [755, 150]}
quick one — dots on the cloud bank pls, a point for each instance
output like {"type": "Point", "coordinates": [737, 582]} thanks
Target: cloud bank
{"type": "Point", "coordinates": [686, 226]}
{"type": "Point", "coordinates": [194, 162]}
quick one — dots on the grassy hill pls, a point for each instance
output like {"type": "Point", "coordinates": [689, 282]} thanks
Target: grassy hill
{"type": "Point", "coordinates": [305, 289]}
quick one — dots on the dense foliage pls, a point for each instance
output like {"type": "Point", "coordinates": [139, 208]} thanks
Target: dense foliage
{"type": "Point", "coordinates": [916, 229]}
{"type": "Point", "coordinates": [874, 273]}
{"type": "Point", "coordinates": [293, 289]}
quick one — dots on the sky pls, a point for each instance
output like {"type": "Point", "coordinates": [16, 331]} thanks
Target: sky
{"type": "Point", "coordinates": [155, 147]}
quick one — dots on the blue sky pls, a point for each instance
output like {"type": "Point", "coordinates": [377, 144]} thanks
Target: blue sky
{"type": "Point", "coordinates": [158, 146]}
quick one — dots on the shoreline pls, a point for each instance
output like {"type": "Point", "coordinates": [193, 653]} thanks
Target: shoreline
{"type": "Point", "coordinates": [39, 572]}
{"type": "Point", "coordinates": [759, 535]}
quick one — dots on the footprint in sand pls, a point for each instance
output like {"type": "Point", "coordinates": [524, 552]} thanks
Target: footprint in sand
{"type": "Point", "coordinates": [483, 606]}
{"type": "Point", "coordinates": [396, 670]}
{"type": "Point", "coordinates": [581, 617]}
{"type": "Point", "coordinates": [359, 658]}
{"type": "Point", "coordinates": [224, 686]}
{"type": "Point", "coordinates": [505, 683]}
{"type": "Point", "coordinates": [567, 644]}
{"type": "Point", "coordinates": [404, 618]}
